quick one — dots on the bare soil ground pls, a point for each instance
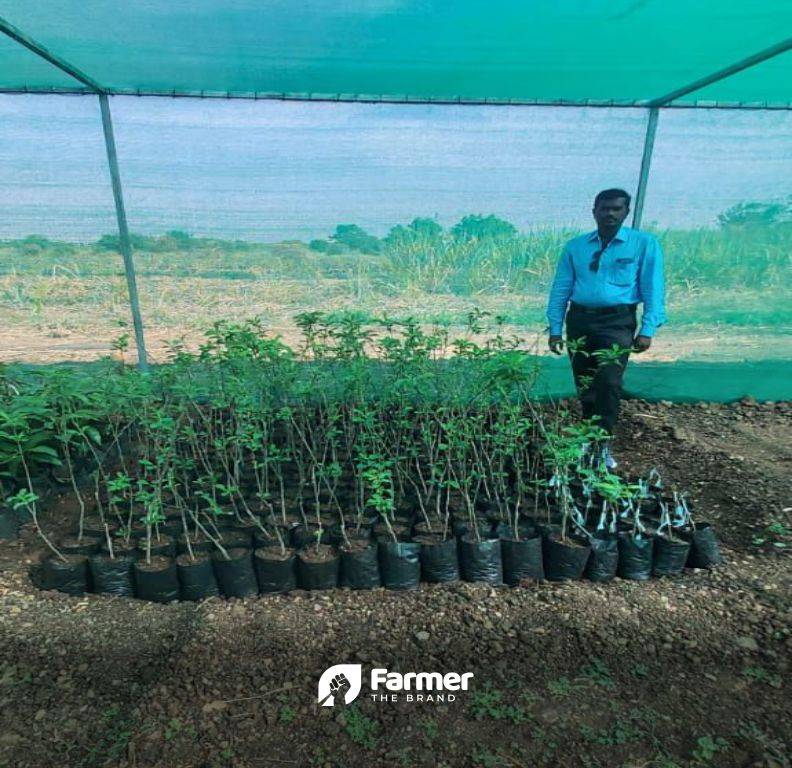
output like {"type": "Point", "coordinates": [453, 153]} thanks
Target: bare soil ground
{"type": "Point", "coordinates": [53, 345]}
{"type": "Point", "coordinates": [68, 319]}
{"type": "Point", "coordinates": [690, 672]}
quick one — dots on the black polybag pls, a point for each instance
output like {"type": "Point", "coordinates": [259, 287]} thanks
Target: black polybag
{"type": "Point", "coordinates": [235, 576]}
{"type": "Point", "coordinates": [360, 567]}
{"type": "Point", "coordinates": [400, 565]}
{"type": "Point", "coordinates": [481, 561]}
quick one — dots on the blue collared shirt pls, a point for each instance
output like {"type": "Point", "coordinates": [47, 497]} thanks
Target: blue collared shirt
{"type": "Point", "coordinates": [630, 271]}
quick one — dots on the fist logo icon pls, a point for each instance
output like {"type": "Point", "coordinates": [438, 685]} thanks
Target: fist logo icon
{"type": "Point", "coordinates": [337, 681]}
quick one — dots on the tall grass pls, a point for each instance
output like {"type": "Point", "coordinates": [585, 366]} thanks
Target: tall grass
{"type": "Point", "coordinates": [737, 257]}
{"type": "Point", "coordinates": [734, 276]}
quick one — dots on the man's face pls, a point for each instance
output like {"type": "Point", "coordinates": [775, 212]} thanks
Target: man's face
{"type": "Point", "coordinates": [609, 214]}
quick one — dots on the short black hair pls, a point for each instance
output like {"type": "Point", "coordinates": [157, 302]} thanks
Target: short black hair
{"type": "Point", "coordinates": [612, 194]}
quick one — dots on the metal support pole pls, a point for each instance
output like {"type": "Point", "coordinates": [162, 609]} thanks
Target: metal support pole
{"type": "Point", "coordinates": [646, 161]}
{"type": "Point", "coordinates": [123, 231]}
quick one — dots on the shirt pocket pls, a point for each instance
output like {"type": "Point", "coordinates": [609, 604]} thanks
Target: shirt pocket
{"type": "Point", "coordinates": [623, 271]}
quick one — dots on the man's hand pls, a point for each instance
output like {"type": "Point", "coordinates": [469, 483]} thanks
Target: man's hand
{"type": "Point", "coordinates": [556, 344]}
{"type": "Point", "coordinates": [641, 344]}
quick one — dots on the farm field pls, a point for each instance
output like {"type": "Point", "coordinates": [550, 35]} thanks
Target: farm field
{"type": "Point", "coordinates": [727, 297]}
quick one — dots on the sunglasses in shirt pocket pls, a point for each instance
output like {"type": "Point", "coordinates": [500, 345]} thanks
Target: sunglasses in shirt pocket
{"type": "Point", "coordinates": [623, 270]}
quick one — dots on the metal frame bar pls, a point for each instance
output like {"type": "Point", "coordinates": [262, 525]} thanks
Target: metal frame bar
{"type": "Point", "coordinates": [722, 74]}
{"type": "Point", "coordinates": [385, 99]}
{"type": "Point", "coordinates": [28, 42]}
{"type": "Point", "coordinates": [654, 114]}
{"type": "Point", "coordinates": [646, 161]}
{"type": "Point", "coordinates": [123, 231]}
{"type": "Point", "coordinates": [125, 244]}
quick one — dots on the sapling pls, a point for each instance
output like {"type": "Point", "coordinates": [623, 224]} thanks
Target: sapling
{"type": "Point", "coordinates": [575, 347]}
{"type": "Point", "coordinates": [377, 475]}
{"type": "Point", "coordinates": [215, 537]}
{"type": "Point", "coordinates": [565, 451]}
{"type": "Point", "coordinates": [151, 518]}
{"type": "Point", "coordinates": [118, 492]}
{"type": "Point", "coordinates": [25, 499]}
{"type": "Point", "coordinates": [69, 441]}
{"type": "Point", "coordinates": [610, 356]}
{"type": "Point", "coordinates": [213, 509]}
{"type": "Point", "coordinates": [679, 520]}
{"type": "Point", "coordinates": [609, 487]}
{"type": "Point", "coordinates": [25, 445]}
{"type": "Point", "coordinates": [277, 457]}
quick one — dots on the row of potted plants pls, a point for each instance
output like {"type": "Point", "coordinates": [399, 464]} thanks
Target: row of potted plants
{"type": "Point", "coordinates": [237, 558]}
{"type": "Point", "coordinates": [397, 435]}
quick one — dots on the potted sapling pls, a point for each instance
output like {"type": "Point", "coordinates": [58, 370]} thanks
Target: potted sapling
{"type": "Point", "coordinates": [636, 543]}
{"type": "Point", "coordinates": [232, 557]}
{"type": "Point", "coordinates": [704, 549]}
{"type": "Point", "coordinates": [566, 550]}
{"type": "Point", "coordinates": [23, 444]}
{"type": "Point", "coordinates": [119, 537]}
{"type": "Point", "coordinates": [112, 571]}
{"type": "Point", "coordinates": [156, 576]}
{"type": "Point", "coordinates": [318, 564]}
{"type": "Point", "coordinates": [672, 545]}
{"type": "Point", "coordinates": [439, 553]}
{"type": "Point", "coordinates": [521, 544]}
{"type": "Point", "coordinates": [604, 559]}
{"type": "Point", "coordinates": [360, 566]}
{"type": "Point", "coordinates": [194, 566]}
{"type": "Point", "coordinates": [154, 542]}
{"type": "Point", "coordinates": [479, 555]}
{"type": "Point", "coordinates": [275, 563]}
{"type": "Point", "coordinates": [462, 478]}
{"type": "Point", "coordinates": [359, 563]}
{"type": "Point", "coordinates": [399, 562]}
{"type": "Point", "coordinates": [65, 572]}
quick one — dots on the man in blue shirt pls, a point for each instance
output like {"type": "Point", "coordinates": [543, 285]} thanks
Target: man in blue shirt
{"type": "Point", "coordinates": [602, 277]}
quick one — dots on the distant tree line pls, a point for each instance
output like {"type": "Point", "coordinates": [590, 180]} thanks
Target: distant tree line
{"type": "Point", "coordinates": [352, 237]}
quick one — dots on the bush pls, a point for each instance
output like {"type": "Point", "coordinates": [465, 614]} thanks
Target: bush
{"type": "Point", "coordinates": [171, 241]}
{"type": "Point", "coordinates": [356, 238]}
{"type": "Point", "coordinates": [478, 226]}
{"type": "Point", "coordinates": [329, 247]}
{"type": "Point", "coordinates": [419, 229]}
{"type": "Point", "coordinates": [757, 214]}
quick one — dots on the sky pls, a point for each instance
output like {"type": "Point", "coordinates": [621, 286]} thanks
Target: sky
{"type": "Point", "coordinates": [269, 171]}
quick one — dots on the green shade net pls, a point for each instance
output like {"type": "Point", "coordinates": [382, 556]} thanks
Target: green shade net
{"type": "Point", "coordinates": [574, 50]}
{"type": "Point", "coordinates": [760, 81]}
{"type": "Point", "coordinates": [21, 68]}
{"type": "Point", "coordinates": [685, 381]}
{"type": "Point", "coordinates": [235, 205]}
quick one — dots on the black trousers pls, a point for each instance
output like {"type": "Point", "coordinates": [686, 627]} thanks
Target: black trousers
{"type": "Point", "coordinates": [598, 381]}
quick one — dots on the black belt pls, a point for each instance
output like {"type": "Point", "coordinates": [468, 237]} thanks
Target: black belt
{"type": "Point", "coordinates": [617, 309]}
